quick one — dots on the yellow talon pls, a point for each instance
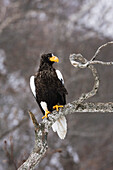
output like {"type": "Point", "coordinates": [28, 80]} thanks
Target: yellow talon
{"type": "Point", "coordinates": [57, 107]}
{"type": "Point", "coordinates": [46, 114]}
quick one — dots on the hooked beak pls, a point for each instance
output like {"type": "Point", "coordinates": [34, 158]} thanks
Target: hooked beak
{"type": "Point", "coordinates": [54, 59]}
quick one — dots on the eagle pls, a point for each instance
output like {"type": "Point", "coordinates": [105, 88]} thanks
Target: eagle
{"type": "Point", "coordinates": [47, 86]}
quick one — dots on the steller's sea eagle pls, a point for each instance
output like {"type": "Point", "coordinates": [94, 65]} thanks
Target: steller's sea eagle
{"type": "Point", "coordinates": [47, 86]}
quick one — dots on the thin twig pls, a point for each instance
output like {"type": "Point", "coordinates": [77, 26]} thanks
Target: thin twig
{"type": "Point", "coordinates": [13, 128]}
{"type": "Point", "coordinates": [100, 48]}
{"type": "Point", "coordinates": [9, 20]}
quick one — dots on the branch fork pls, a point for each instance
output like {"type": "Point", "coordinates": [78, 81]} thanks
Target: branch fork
{"type": "Point", "coordinates": [42, 129]}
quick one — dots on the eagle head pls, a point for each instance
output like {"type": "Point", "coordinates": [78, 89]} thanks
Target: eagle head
{"type": "Point", "coordinates": [49, 58]}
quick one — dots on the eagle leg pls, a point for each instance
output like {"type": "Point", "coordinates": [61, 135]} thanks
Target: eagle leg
{"type": "Point", "coordinates": [46, 114]}
{"type": "Point", "coordinates": [57, 107]}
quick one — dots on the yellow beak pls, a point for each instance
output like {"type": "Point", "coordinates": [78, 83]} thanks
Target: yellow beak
{"type": "Point", "coordinates": [54, 59]}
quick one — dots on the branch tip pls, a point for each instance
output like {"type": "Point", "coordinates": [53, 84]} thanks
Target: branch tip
{"type": "Point", "coordinates": [35, 123]}
{"type": "Point", "coordinates": [100, 48]}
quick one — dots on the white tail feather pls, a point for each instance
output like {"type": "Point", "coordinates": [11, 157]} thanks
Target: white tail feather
{"type": "Point", "coordinates": [60, 126]}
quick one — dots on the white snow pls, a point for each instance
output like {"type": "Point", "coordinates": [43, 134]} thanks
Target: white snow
{"type": "Point", "coordinates": [56, 162]}
{"type": "Point", "coordinates": [99, 17]}
{"type": "Point", "coordinates": [2, 59]}
{"type": "Point", "coordinates": [16, 81]}
{"type": "Point", "coordinates": [73, 154]}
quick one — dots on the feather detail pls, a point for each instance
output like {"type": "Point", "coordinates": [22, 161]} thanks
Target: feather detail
{"type": "Point", "coordinates": [32, 85]}
{"type": "Point", "coordinates": [60, 77]}
{"type": "Point", "coordinates": [44, 105]}
{"type": "Point", "coordinates": [60, 126]}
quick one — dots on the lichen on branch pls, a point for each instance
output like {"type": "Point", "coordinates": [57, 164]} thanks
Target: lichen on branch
{"type": "Point", "coordinates": [42, 129]}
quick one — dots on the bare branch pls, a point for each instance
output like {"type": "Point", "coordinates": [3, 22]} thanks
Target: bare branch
{"type": "Point", "coordinates": [9, 20]}
{"type": "Point", "coordinates": [13, 128]}
{"type": "Point", "coordinates": [42, 129]}
{"type": "Point", "coordinates": [36, 125]}
{"type": "Point", "coordinates": [83, 10]}
{"type": "Point", "coordinates": [40, 147]}
{"type": "Point", "coordinates": [77, 60]}
{"type": "Point", "coordinates": [100, 48]}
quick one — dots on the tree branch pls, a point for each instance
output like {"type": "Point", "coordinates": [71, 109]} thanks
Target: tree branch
{"type": "Point", "coordinates": [42, 129]}
{"type": "Point", "coordinates": [8, 21]}
{"type": "Point", "coordinates": [13, 128]}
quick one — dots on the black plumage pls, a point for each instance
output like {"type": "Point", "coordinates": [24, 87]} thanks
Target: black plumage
{"type": "Point", "coordinates": [48, 87]}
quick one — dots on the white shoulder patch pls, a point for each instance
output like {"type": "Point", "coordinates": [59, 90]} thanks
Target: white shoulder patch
{"type": "Point", "coordinates": [60, 77]}
{"type": "Point", "coordinates": [32, 85]}
{"type": "Point", "coordinates": [44, 105]}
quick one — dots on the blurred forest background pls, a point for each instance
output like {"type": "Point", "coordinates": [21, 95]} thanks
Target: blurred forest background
{"type": "Point", "coordinates": [29, 28]}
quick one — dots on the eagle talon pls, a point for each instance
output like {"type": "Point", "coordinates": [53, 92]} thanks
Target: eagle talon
{"type": "Point", "coordinates": [46, 114]}
{"type": "Point", "coordinates": [57, 107]}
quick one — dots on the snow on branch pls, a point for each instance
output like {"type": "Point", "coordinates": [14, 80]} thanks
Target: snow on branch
{"type": "Point", "coordinates": [42, 129]}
